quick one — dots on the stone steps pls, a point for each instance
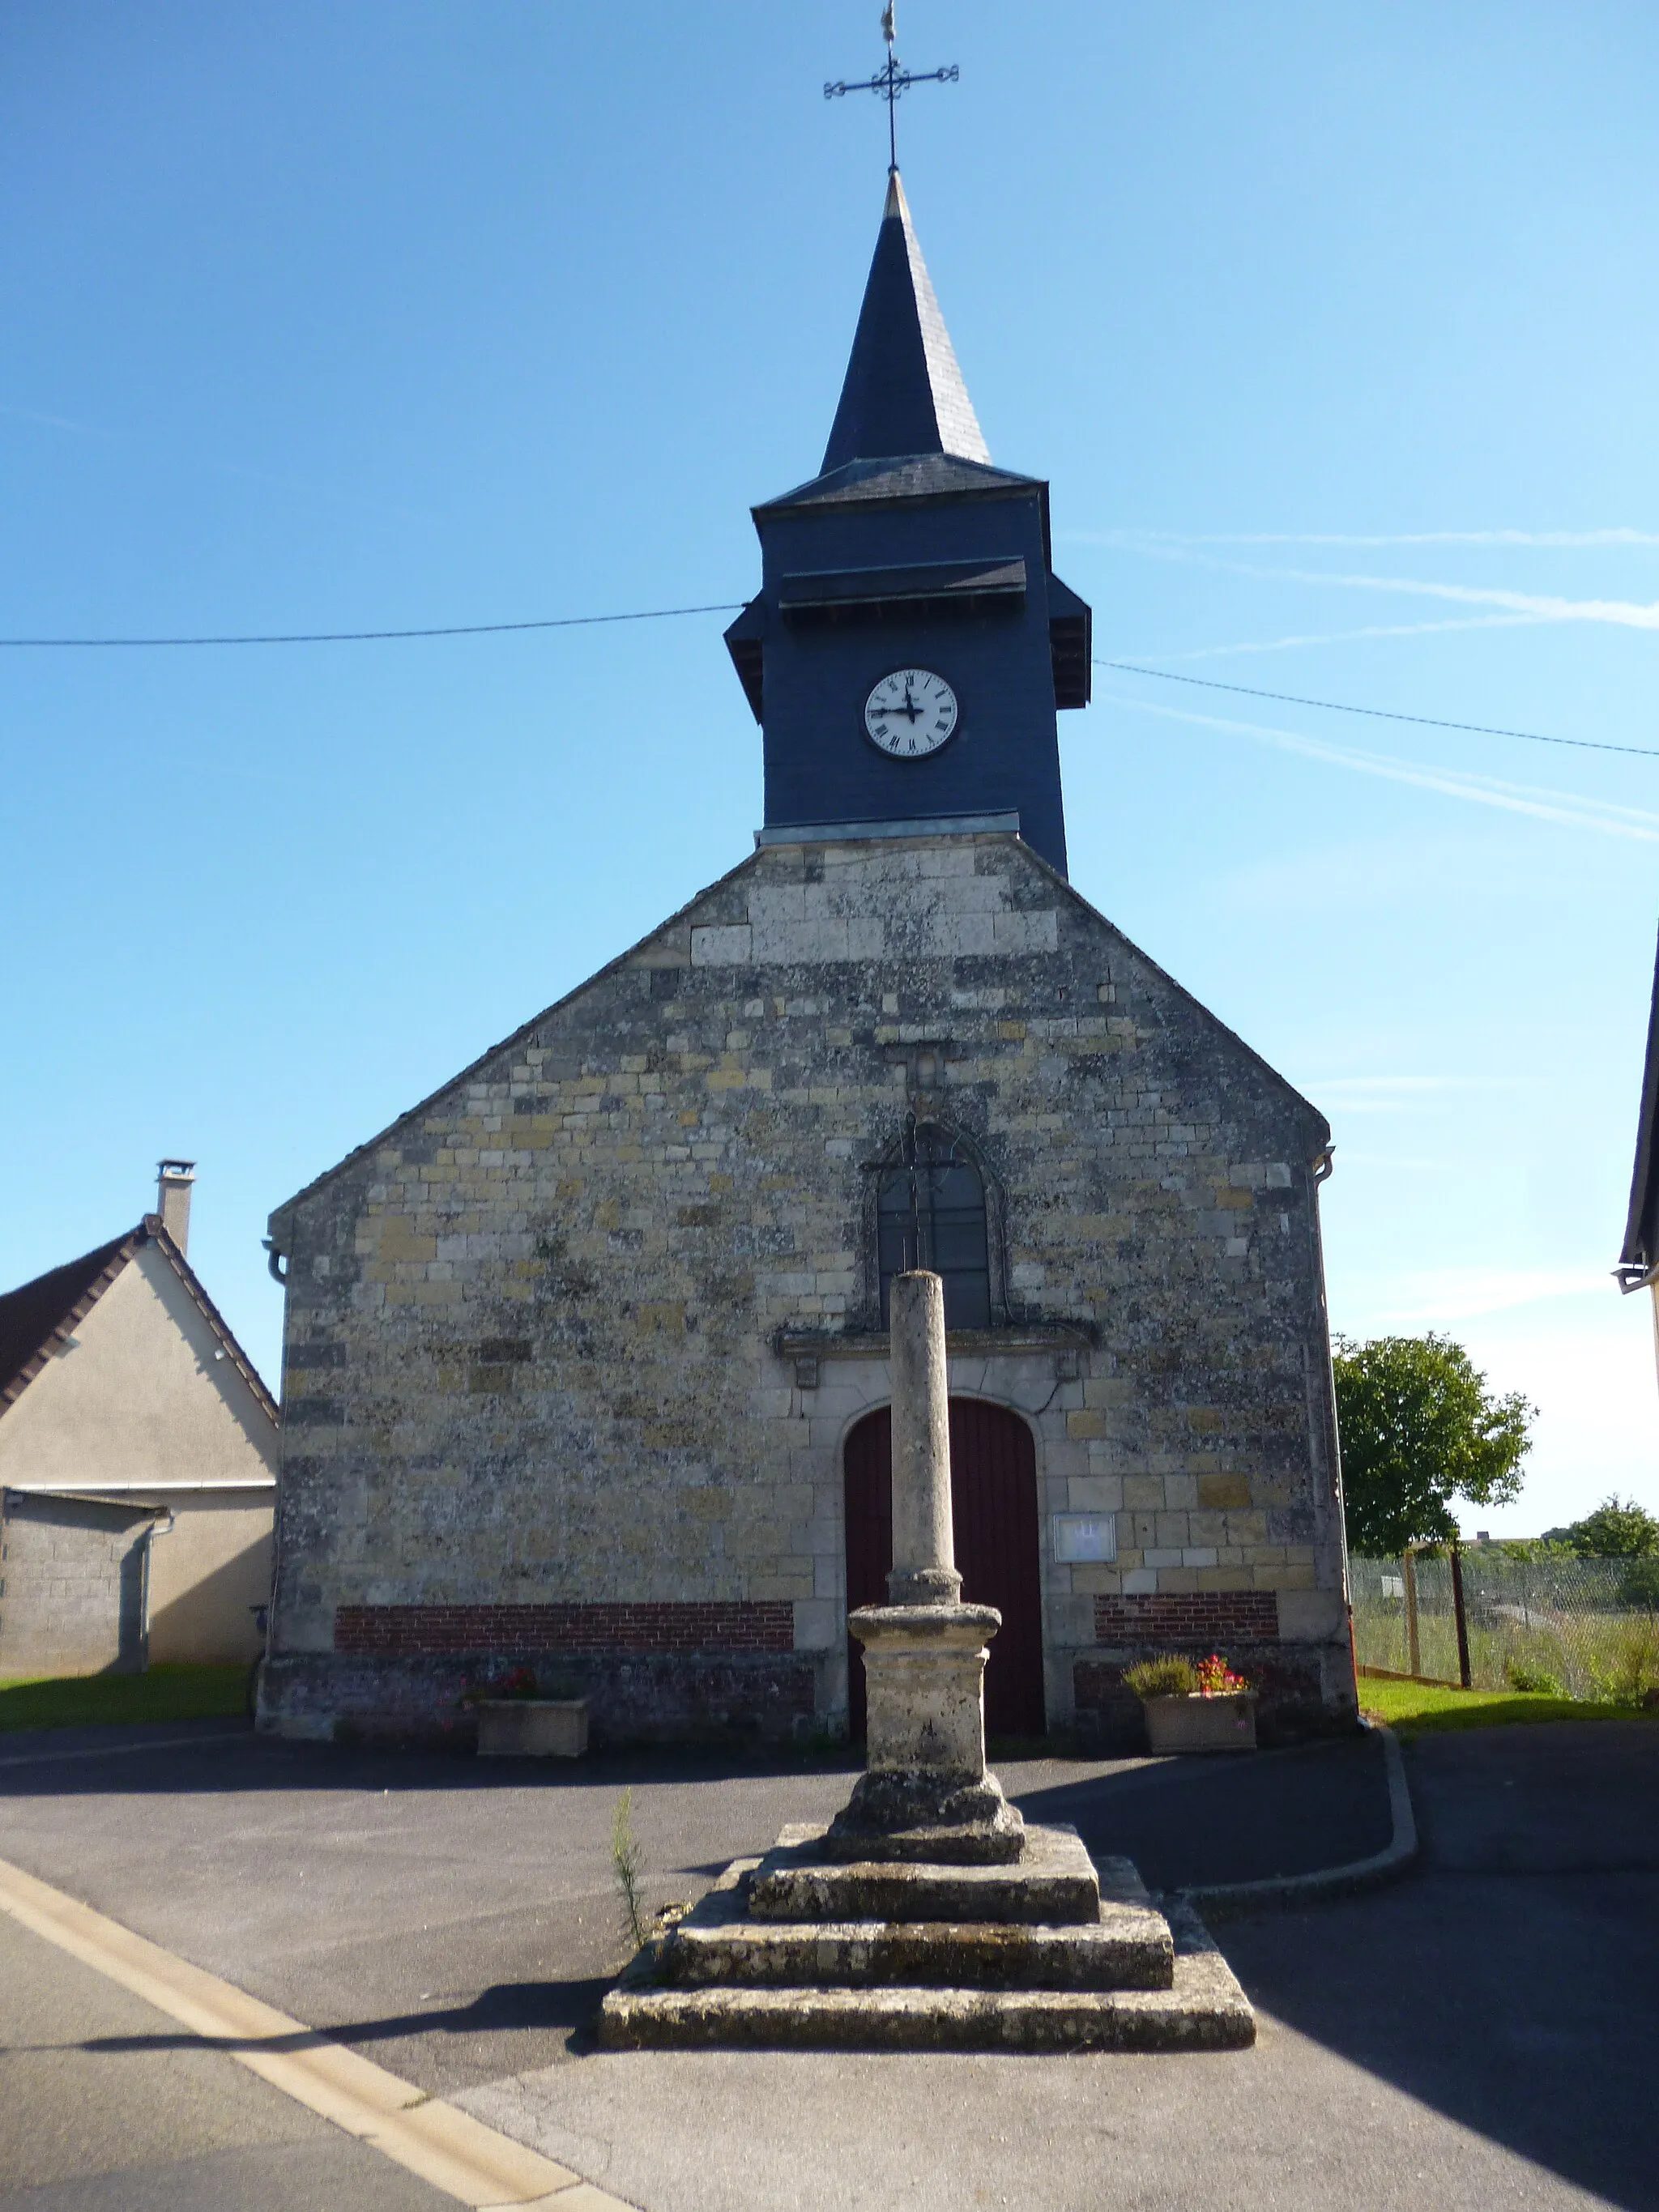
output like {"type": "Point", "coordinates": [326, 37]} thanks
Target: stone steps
{"type": "Point", "coordinates": [1204, 2010]}
{"type": "Point", "coordinates": [1053, 1884]}
{"type": "Point", "coordinates": [1124, 1950]}
{"type": "Point", "coordinates": [1117, 1974]}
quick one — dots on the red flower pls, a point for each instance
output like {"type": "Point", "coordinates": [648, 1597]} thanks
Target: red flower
{"type": "Point", "coordinates": [1216, 1678]}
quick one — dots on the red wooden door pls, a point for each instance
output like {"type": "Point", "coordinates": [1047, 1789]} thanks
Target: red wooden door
{"type": "Point", "coordinates": [993, 1508]}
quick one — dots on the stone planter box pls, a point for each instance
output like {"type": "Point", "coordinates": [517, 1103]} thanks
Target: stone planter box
{"type": "Point", "coordinates": [532, 1728]}
{"type": "Point", "coordinates": [1195, 1723]}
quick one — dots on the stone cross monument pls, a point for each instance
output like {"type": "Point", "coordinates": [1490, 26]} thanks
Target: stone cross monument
{"type": "Point", "coordinates": [925, 1793]}
{"type": "Point", "coordinates": [927, 1916]}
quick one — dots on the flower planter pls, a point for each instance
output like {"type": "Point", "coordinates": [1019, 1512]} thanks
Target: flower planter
{"type": "Point", "coordinates": [1199, 1724]}
{"type": "Point", "coordinates": [531, 1728]}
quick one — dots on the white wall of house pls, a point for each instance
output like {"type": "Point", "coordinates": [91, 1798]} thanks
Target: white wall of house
{"type": "Point", "coordinates": [210, 1566]}
{"type": "Point", "coordinates": [143, 1402]}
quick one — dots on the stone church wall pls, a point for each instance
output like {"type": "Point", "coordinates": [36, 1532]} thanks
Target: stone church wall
{"type": "Point", "coordinates": [571, 1350]}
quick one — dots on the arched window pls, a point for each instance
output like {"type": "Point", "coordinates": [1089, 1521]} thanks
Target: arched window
{"type": "Point", "coordinates": [930, 1212]}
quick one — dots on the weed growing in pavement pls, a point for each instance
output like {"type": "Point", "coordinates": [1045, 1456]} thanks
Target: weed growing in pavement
{"type": "Point", "coordinates": [627, 1864]}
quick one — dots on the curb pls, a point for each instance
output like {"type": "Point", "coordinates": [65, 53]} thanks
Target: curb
{"type": "Point", "coordinates": [1332, 1881]}
{"type": "Point", "coordinates": [429, 2137]}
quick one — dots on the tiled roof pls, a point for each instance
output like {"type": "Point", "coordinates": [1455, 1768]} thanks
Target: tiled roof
{"type": "Point", "coordinates": [33, 1315]}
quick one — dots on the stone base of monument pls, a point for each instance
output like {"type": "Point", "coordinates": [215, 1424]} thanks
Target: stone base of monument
{"type": "Point", "coordinates": [801, 1950]}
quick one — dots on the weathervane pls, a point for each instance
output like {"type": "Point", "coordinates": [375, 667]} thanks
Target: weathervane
{"type": "Point", "coordinates": [891, 80]}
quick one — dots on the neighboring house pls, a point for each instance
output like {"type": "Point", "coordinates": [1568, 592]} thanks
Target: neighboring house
{"type": "Point", "coordinates": [137, 1462]}
{"type": "Point", "coordinates": [1638, 1261]}
{"type": "Point", "coordinates": [585, 1364]}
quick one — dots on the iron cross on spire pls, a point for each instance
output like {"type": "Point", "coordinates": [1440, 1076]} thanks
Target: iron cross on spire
{"type": "Point", "coordinates": [892, 80]}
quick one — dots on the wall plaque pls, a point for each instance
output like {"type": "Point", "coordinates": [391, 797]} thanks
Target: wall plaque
{"type": "Point", "coordinates": [1080, 1537]}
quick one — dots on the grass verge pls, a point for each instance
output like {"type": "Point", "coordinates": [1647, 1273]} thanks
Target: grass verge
{"type": "Point", "coordinates": [165, 1694]}
{"type": "Point", "coordinates": [1413, 1708]}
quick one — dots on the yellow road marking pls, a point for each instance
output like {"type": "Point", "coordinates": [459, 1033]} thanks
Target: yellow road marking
{"type": "Point", "coordinates": [445, 2146]}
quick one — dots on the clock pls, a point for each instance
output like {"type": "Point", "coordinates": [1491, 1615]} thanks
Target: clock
{"type": "Point", "coordinates": [910, 714]}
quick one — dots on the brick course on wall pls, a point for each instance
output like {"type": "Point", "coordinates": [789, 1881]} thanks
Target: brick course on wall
{"type": "Point", "coordinates": [586, 1328]}
{"type": "Point", "coordinates": [436, 1631]}
{"type": "Point", "coordinates": [1189, 1617]}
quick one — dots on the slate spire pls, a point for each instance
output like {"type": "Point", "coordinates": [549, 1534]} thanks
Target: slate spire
{"type": "Point", "coordinates": [903, 392]}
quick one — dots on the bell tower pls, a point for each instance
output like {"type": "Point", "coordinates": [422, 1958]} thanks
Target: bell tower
{"type": "Point", "coordinates": [910, 643]}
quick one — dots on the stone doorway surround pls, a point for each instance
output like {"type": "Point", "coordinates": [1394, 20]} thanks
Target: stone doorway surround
{"type": "Point", "coordinates": [1037, 1373]}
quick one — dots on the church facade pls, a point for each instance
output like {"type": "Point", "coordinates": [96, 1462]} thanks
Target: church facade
{"type": "Point", "coordinates": [585, 1358]}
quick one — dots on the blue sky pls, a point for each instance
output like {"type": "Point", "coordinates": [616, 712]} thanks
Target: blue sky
{"type": "Point", "coordinates": [1335, 327]}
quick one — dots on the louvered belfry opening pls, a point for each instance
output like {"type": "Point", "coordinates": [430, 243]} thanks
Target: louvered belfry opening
{"type": "Point", "coordinates": [994, 1506]}
{"type": "Point", "coordinates": [930, 1212]}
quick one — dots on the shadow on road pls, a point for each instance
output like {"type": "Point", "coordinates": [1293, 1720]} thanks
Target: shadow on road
{"type": "Point", "coordinates": [1512, 1981]}
{"type": "Point", "coordinates": [1233, 1816]}
{"type": "Point", "coordinates": [216, 1756]}
{"type": "Point", "coordinates": [563, 2007]}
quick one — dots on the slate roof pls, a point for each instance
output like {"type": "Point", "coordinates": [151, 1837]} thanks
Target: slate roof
{"type": "Point", "coordinates": [38, 1316]}
{"type": "Point", "coordinates": [1640, 1257]}
{"type": "Point", "coordinates": [911, 476]}
{"type": "Point", "coordinates": [905, 427]}
{"type": "Point", "coordinates": [903, 391]}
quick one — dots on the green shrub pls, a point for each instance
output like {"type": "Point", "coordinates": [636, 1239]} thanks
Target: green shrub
{"type": "Point", "coordinates": [1536, 1679]}
{"type": "Point", "coordinates": [1171, 1676]}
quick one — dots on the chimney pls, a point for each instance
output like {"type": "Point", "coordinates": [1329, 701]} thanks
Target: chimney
{"type": "Point", "coordinates": [174, 1181]}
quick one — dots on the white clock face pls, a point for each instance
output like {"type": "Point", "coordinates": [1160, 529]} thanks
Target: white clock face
{"type": "Point", "coordinates": [910, 714]}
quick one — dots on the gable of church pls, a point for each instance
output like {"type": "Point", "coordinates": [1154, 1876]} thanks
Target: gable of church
{"type": "Point", "coordinates": [555, 1339]}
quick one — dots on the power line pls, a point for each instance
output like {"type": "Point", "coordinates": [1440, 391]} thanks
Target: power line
{"type": "Point", "coordinates": [732, 606]}
{"type": "Point", "coordinates": [1380, 713]}
{"type": "Point", "coordinates": [363, 636]}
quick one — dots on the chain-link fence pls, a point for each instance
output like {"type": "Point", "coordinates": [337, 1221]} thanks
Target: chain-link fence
{"type": "Point", "coordinates": [1580, 1628]}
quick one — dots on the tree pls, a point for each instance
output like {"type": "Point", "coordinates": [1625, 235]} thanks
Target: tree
{"type": "Point", "coordinates": [1420, 1428]}
{"type": "Point", "coordinates": [1614, 1531]}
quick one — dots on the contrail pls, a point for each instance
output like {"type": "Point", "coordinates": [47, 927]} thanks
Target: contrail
{"type": "Point", "coordinates": [1347, 636]}
{"type": "Point", "coordinates": [1540, 606]}
{"type": "Point", "coordinates": [53, 422]}
{"type": "Point", "coordinates": [1567, 808]}
{"type": "Point", "coordinates": [1536, 606]}
{"type": "Point", "coordinates": [1570, 539]}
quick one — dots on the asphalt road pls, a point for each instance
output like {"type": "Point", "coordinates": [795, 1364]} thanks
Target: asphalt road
{"type": "Point", "coordinates": [457, 1920]}
{"type": "Point", "coordinates": [1483, 2034]}
{"type": "Point", "coordinates": [105, 2108]}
